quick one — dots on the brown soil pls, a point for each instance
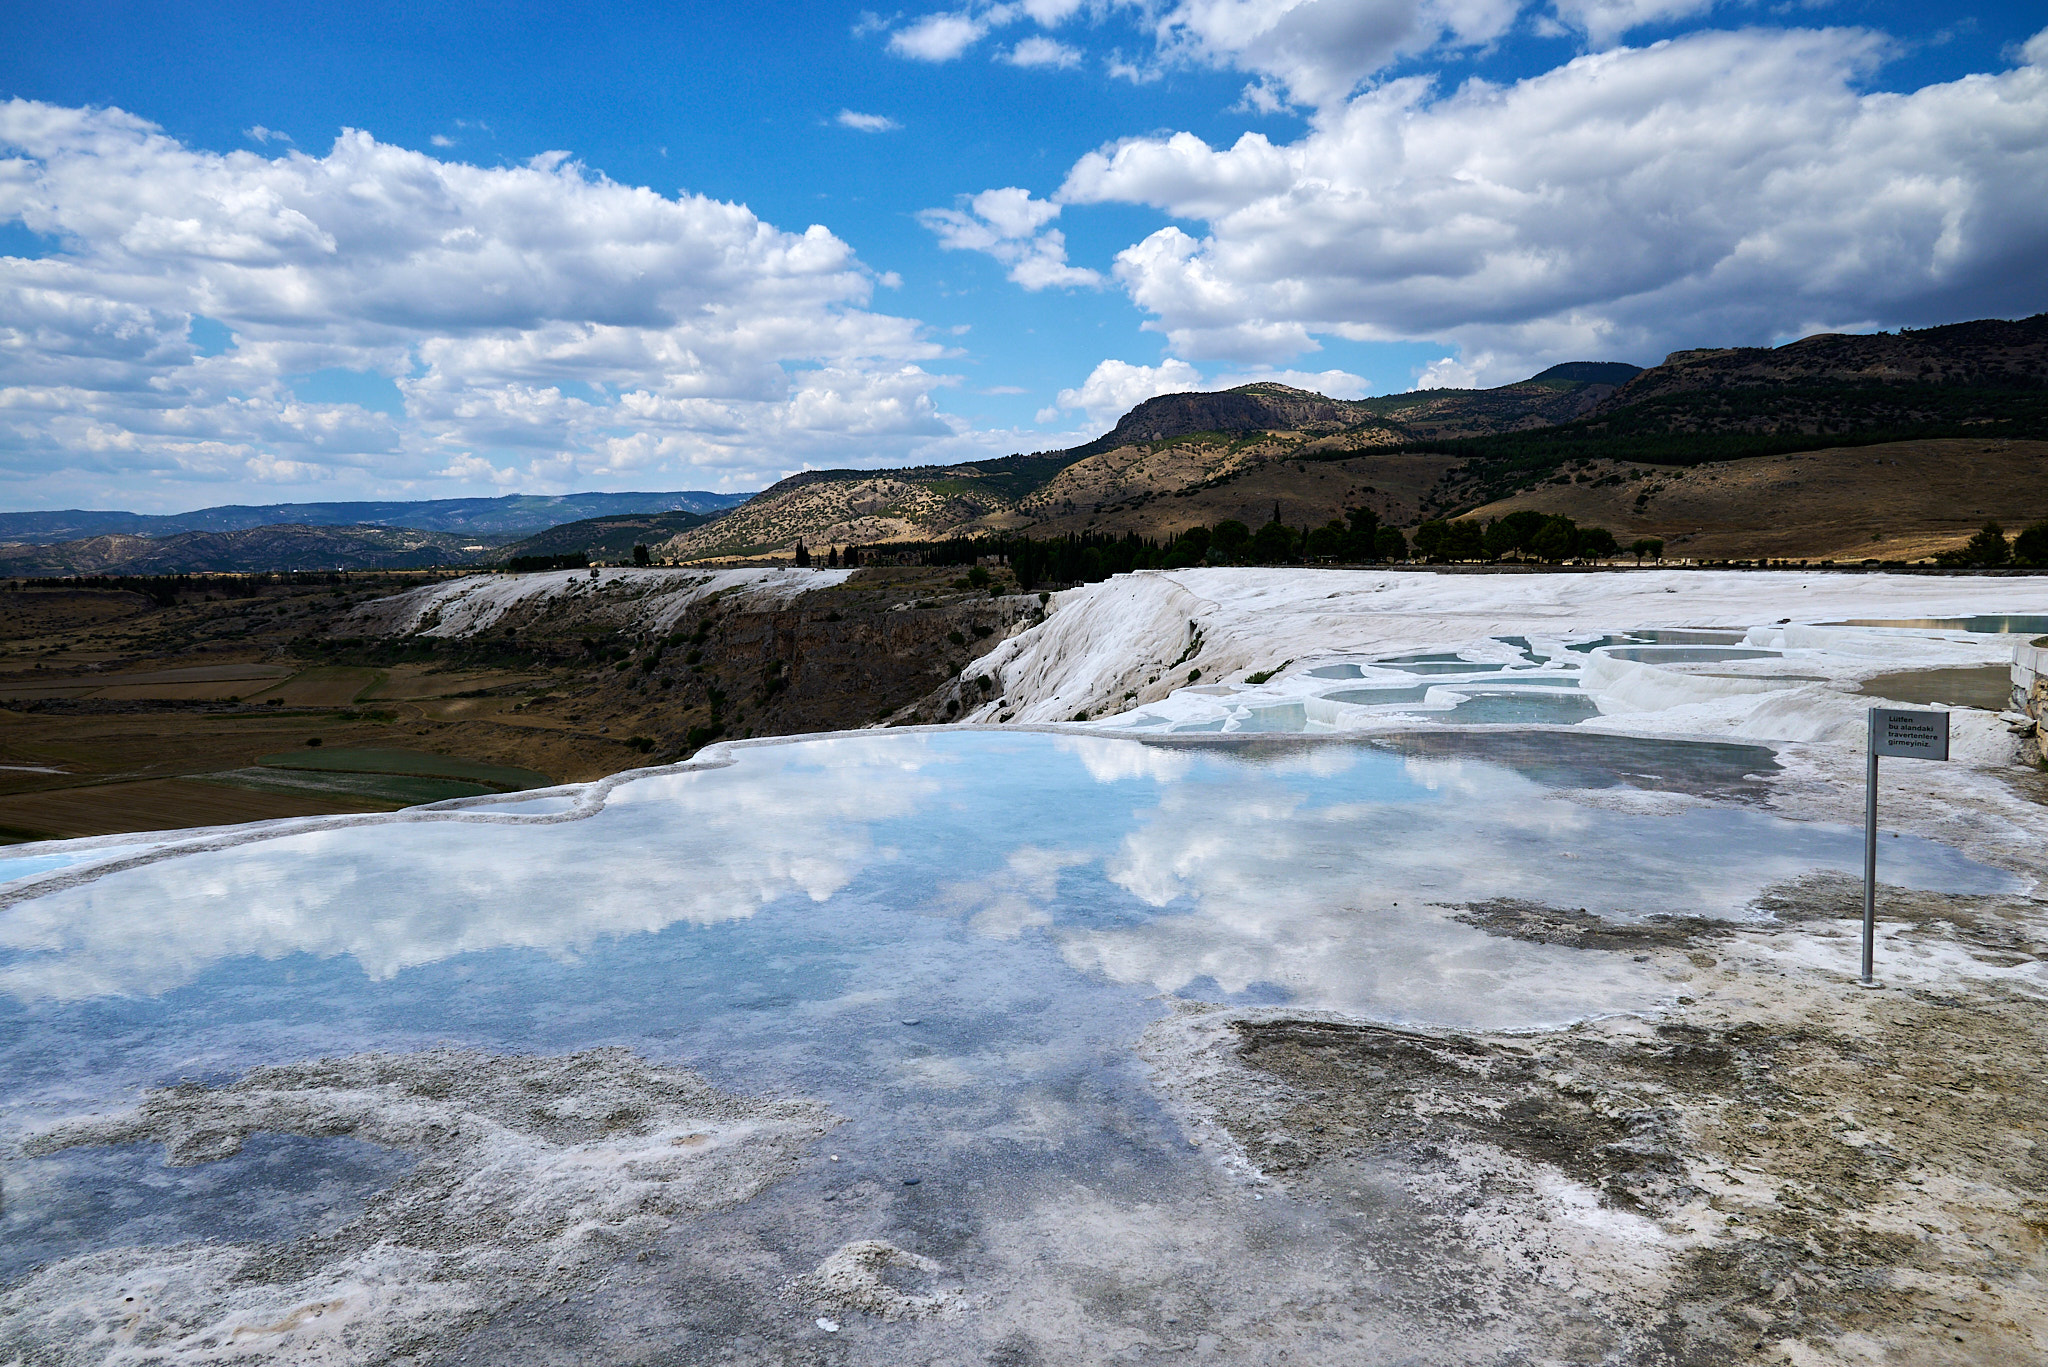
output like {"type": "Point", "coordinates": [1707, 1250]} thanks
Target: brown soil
{"type": "Point", "coordinates": [1900, 501]}
{"type": "Point", "coordinates": [1308, 493]}
{"type": "Point", "coordinates": [157, 805]}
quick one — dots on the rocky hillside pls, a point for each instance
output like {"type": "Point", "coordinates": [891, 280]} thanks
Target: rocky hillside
{"type": "Point", "coordinates": [1249, 408]}
{"type": "Point", "coordinates": [1170, 462]}
{"type": "Point", "coordinates": [1974, 381]}
{"type": "Point", "coordinates": [1987, 354]}
{"type": "Point", "coordinates": [679, 658]}
{"type": "Point", "coordinates": [851, 508]}
{"type": "Point", "coordinates": [1182, 459]}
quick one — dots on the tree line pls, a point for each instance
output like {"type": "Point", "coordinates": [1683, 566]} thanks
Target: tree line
{"type": "Point", "coordinates": [1989, 549]}
{"type": "Point", "coordinates": [1355, 539]}
{"type": "Point", "coordinates": [1526, 535]}
{"type": "Point", "coordinates": [166, 589]}
{"type": "Point", "coordinates": [574, 560]}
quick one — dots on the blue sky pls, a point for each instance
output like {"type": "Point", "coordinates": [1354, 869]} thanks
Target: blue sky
{"type": "Point", "coordinates": [575, 250]}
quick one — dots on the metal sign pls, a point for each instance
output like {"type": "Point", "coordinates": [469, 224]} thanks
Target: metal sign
{"type": "Point", "coordinates": [1899, 734]}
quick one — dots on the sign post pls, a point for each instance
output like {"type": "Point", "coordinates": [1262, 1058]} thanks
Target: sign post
{"type": "Point", "coordinates": [1901, 734]}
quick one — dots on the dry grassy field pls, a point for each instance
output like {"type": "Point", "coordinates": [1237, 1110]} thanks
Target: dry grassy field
{"type": "Point", "coordinates": [1899, 501]}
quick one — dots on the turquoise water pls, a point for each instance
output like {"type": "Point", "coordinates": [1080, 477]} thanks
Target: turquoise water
{"type": "Point", "coordinates": [30, 865]}
{"type": "Point", "coordinates": [1660, 636]}
{"type": "Point", "coordinates": [1493, 709]}
{"type": "Point", "coordinates": [1286, 716]}
{"type": "Point", "coordinates": [1443, 667]}
{"type": "Point", "coordinates": [1373, 697]}
{"type": "Point", "coordinates": [1674, 655]}
{"type": "Point", "coordinates": [51, 856]}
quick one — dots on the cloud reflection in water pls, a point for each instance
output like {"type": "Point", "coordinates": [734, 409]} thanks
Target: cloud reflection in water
{"type": "Point", "coordinates": [1310, 871]}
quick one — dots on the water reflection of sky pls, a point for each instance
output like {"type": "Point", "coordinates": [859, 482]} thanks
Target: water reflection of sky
{"type": "Point", "coordinates": [951, 939]}
{"type": "Point", "coordinates": [1306, 874]}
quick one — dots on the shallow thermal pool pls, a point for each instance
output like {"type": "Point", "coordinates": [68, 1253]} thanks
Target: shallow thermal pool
{"type": "Point", "coordinates": [1676, 655]}
{"type": "Point", "coordinates": [1987, 623]}
{"type": "Point", "coordinates": [952, 939]}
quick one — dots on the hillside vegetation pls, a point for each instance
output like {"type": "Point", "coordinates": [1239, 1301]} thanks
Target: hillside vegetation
{"type": "Point", "coordinates": [1184, 460]}
{"type": "Point", "coordinates": [1177, 446]}
{"type": "Point", "coordinates": [605, 538]}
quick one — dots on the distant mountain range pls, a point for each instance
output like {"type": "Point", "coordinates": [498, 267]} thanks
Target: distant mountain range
{"type": "Point", "coordinates": [512, 515]}
{"type": "Point", "coordinates": [294, 546]}
{"type": "Point", "coordinates": [249, 550]}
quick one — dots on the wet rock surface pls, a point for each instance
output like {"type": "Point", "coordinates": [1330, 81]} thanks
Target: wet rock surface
{"type": "Point", "coordinates": [1547, 925]}
{"type": "Point", "coordinates": [1817, 1173]}
{"type": "Point", "coordinates": [531, 1177]}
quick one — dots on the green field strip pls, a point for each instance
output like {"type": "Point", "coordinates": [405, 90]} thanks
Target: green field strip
{"type": "Point", "coordinates": [411, 763]}
{"type": "Point", "coordinates": [404, 790]}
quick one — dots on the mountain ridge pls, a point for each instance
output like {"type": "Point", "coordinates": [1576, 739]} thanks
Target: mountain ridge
{"type": "Point", "coordinates": [1242, 452]}
{"type": "Point", "coordinates": [1169, 444]}
{"type": "Point", "coordinates": [503, 515]}
{"type": "Point", "coordinates": [271, 548]}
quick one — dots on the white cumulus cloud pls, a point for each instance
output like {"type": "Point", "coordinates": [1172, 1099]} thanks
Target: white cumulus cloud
{"type": "Point", "coordinates": [939, 37]}
{"type": "Point", "coordinates": [1041, 51]}
{"type": "Point", "coordinates": [1331, 384]}
{"type": "Point", "coordinates": [1449, 372]}
{"type": "Point", "coordinates": [1721, 187]}
{"type": "Point", "coordinates": [1312, 52]}
{"type": "Point", "coordinates": [866, 123]}
{"type": "Point", "coordinates": [1114, 388]}
{"type": "Point", "coordinates": [1011, 226]}
{"type": "Point", "coordinates": [537, 316]}
{"type": "Point", "coordinates": [1320, 50]}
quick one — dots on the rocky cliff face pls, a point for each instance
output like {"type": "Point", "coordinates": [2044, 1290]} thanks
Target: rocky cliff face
{"type": "Point", "coordinates": [848, 652]}
{"type": "Point", "coordinates": [1251, 408]}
